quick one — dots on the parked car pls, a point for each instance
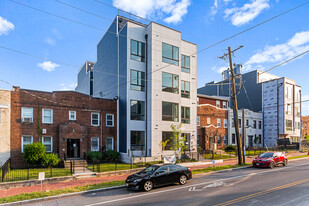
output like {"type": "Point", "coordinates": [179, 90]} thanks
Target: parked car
{"type": "Point", "coordinates": [158, 175]}
{"type": "Point", "coordinates": [270, 159]}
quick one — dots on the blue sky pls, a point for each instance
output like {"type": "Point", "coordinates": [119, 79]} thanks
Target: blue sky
{"type": "Point", "coordinates": [203, 22]}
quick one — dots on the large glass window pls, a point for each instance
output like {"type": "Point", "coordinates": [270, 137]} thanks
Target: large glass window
{"type": "Point", "coordinates": [170, 137]}
{"type": "Point", "coordinates": [170, 83]}
{"type": "Point", "coordinates": [185, 89]}
{"type": "Point", "coordinates": [185, 63]}
{"type": "Point", "coordinates": [185, 115]}
{"type": "Point", "coordinates": [137, 110]}
{"type": "Point", "coordinates": [47, 116]}
{"type": "Point", "coordinates": [137, 81]}
{"type": "Point", "coordinates": [170, 111]}
{"type": "Point", "coordinates": [170, 54]}
{"type": "Point", "coordinates": [95, 144]}
{"type": "Point", "coordinates": [137, 50]}
{"type": "Point", "coordinates": [48, 143]}
{"type": "Point", "coordinates": [137, 140]}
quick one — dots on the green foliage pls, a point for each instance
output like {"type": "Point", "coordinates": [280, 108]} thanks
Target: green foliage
{"type": "Point", "coordinates": [164, 143]}
{"type": "Point", "coordinates": [50, 160]}
{"type": "Point", "coordinates": [112, 155]}
{"type": "Point", "coordinates": [307, 136]}
{"type": "Point", "coordinates": [230, 148]}
{"type": "Point", "coordinates": [178, 142]}
{"type": "Point", "coordinates": [34, 153]}
{"type": "Point", "coordinates": [94, 156]}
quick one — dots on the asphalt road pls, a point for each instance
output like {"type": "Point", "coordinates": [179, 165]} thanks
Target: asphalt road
{"type": "Point", "coordinates": [249, 186]}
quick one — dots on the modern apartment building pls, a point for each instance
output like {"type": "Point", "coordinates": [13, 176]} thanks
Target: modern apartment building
{"type": "Point", "coordinates": [212, 122]}
{"type": "Point", "coordinates": [151, 71]}
{"type": "Point", "coordinates": [250, 127]}
{"type": "Point", "coordinates": [261, 91]}
{"type": "Point", "coordinates": [85, 79]}
{"type": "Point", "coordinates": [5, 125]}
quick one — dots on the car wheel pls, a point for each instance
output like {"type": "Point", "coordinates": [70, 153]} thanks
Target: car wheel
{"type": "Point", "coordinates": [272, 165]}
{"type": "Point", "coordinates": [285, 163]}
{"type": "Point", "coordinates": [148, 185]}
{"type": "Point", "coordinates": [182, 180]}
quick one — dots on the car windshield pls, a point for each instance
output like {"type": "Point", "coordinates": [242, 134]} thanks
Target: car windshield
{"type": "Point", "coordinates": [149, 170]}
{"type": "Point", "coordinates": [266, 154]}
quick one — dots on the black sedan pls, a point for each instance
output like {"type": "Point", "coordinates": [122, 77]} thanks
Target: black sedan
{"type": "Point", "coordinates": [158, 175]}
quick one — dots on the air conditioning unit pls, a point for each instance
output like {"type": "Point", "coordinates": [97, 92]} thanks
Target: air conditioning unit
{"type": "Point", "coordinates": [43, 131]}
{"type": "Point", "coordinates": [27, 119]}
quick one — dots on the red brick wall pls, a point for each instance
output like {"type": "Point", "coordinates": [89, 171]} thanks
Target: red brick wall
{"type": "Point", "coordinates": [305, 126]}
{"type": "Point", "coordinates": [205, 111]}
{"type": "Point", "coordinates": [61, 103]}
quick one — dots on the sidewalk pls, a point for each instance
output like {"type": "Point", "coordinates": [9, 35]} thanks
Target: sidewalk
{"type": "Point", "coordinates": [97, 180]}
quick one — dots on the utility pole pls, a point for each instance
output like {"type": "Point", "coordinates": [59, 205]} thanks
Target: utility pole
{"type": "Point", "coordinates": [235, 107]}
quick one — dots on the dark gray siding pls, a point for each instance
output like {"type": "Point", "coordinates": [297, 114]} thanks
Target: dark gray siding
{"type": "Point", "coordinates": [83, 81]}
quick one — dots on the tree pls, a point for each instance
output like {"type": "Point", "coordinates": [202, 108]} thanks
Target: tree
{"type": "Point", "coordinates": [50, 160]}
{"type": "Point", "coordinates": [178, 142]}
{"type": "Point", "coordinates": [163, 145]}
{"type": "Point", "coordinates": [34, 153]}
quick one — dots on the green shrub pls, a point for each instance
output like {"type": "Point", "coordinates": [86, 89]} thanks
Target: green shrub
{"type": "Point", "coordinates": [112, 155]}
{"type": "Point", "coordinates": [34, 153]}
{"type": "Point", "coordinates": [230, 148]}
{"type": "Point", "coordinates": [94, 156]}
{"type": "Point", "coordinates": [50, 160]}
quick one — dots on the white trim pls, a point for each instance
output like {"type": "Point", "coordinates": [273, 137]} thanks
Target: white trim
{"type": "Point", "coordinates": [112, 142]}
{"type": "Point", "coordinates": [95, 125]}
{"type": "Point", "coordinates": [22, 113]}
{"type": "Point", "coordinates": [70, 115]}
{"type": "Point", "coordinates": [109, 120]}
{"type": "Point", "coordinates": [51, 143]}
{"type": "Point", "coordinates": [43, 110]}
{"type": "Point", "coordinates": [22, 142]}
{"type": "Point", "coordinates": [98, 141]}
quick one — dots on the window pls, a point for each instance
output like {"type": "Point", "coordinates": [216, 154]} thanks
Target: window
{"type": "Point", "coordinates": [198, 139]}
{"type": "Point", "coordinates": [95, 119]}
{"type": "Point", "coordinates": [72, 115]}
{"type": "Point", "coordinates": [185, 115]}
{"type": "Point", "coordinates": [162, 169]}
{"type": "Point", "coordinates": [185, 63]}
{"type": "Point", "coordinates": [47, 116]}
{"type": "Point", "coordinates": [95, 144]}
{"type": "Point", "coordinates": [225, 123]}
{"type": "Point", "coordinates": [289, 109]}
{"type": "Point", "coordinates": [198, 122]}
{"type": "Point", "coordinates": [186, 139]}
{"type": "Point", "coordinates": [185, 89]}
{"type": "Point", "coordinates": [170, 54]}
{"type": "Point", "coordinates": [170, 111]}
{"type": "Point", "coordinates": [208, 120]}
{"type": "Point", "coordinates": [109, 120]}
{"type": "Point", "coordinates": [218, 103]}
{"type": "Point", "coordinates": [27, 114]}
{"type": "Point", "coordinates": [137, 81]}
{"type": "Point", "coordinates": [254, 124]}
{"type": "Point", "coordinates": [25, 140]}
{"type": "Point", "coordinates": [170, 83]}
{"type": "Point", "coordinates": [137, 140]}
{"type": "Point", "coordinates": [288, 92]}
{"type": "Point", "coordinates": [289, 125]}
{"type": "Point", "coordinates": [260, 139]}
{"type": "Point", "coordinates": [233, 139]}
{"type": "Point", "coordinates": [218, 123]}
{"type": "Point", "coordinates": [224, 105]}
{"type": "Point", "coordinates": [247, 123]}
{"type": "Point", "coordinates": [48, 143]}
{"type": "Point", "coordinates": [233, 123]}
{"type": "Point", "coordinates": [239, 123]}
{"type": "Point", "coordinates": [137, 110]}
{"type": "Point", "coordinates": [225, 140]}
{"type": "Point", "coordinates": [173, 168]}
{"type": "Point", "coordinates": [109, 143]}
{"type": "Point", "coordinates": [170, 137]}
{"type": "Point", "coordinates": [260, 124]}
{"type": "Point", "coordinates": [219, 140]}
{"type": "Point", "coordinates": [137, 51]}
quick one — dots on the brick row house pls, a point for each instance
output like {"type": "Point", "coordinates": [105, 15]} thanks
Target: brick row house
{"type": "Point", "coordinates": [68, 123]}
{"type": "Point", "coordinates": [212, 125]}
{"type": "Point", "coordinates": [305, 126]}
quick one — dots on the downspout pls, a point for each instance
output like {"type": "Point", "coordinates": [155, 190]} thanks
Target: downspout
{"type": "Point", "coordinates": [102, 131]}
{"type": "Point", "coordinates": [146, 90]}
{"type": "Point", "coordinates": [301, 122]}
{"type": "Point", "coordinates": [117, 28]}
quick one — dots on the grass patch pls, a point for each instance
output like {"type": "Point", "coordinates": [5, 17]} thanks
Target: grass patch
{"type": "Point", "coordinates": [296, 157]}
{"type": "Point", "coordinates": [210, 169]}
{"type": "Point", "coordinates": [217, 156]}
{"type": "Point", "coordinates": [108, 167]}
{"type": "Point", "coordinates": [33, 195]}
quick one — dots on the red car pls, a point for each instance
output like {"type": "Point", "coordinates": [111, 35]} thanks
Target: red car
{"type": "Point", "coordinates": [270, 159]}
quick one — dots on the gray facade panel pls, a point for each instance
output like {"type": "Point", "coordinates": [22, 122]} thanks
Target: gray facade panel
{"type": "Point", "coordinates": [83, 81]}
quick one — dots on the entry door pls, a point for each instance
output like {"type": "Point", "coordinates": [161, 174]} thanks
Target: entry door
{"type": "Point", "coordinates": [211, 141]}
{"type": "Point", "coordinates": [250, 143]}
{"type": "Point", "coordinates": [73, 148]}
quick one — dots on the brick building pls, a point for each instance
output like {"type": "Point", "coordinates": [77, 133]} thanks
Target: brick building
{"type": "Point", "coordinates": [305, 126]}
{"type": "Point", "coordinates": [69, 123]}
{"type": "Point", "coordinates": [212, 125]}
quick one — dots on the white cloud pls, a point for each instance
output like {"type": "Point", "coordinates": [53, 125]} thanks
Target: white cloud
{"type": "Point", "coordinates": [5, 26]}
{"type": "Point", "coordinates": [219, 70]}
{"type": "Point", "coordinates": [50, 41]}
{"type": "Point", "coordinates": [172, 10]}
{"type": "Point", "coordinates": [246, 13]}
{"type": "Point", "coordinates": [67, 87]}
{"type": "Point", "coordinates": [272, 54]}
{"type": "Point", "coordinates": [214, 8]}
{"type": "Point", "coordinates": [48, 66]}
